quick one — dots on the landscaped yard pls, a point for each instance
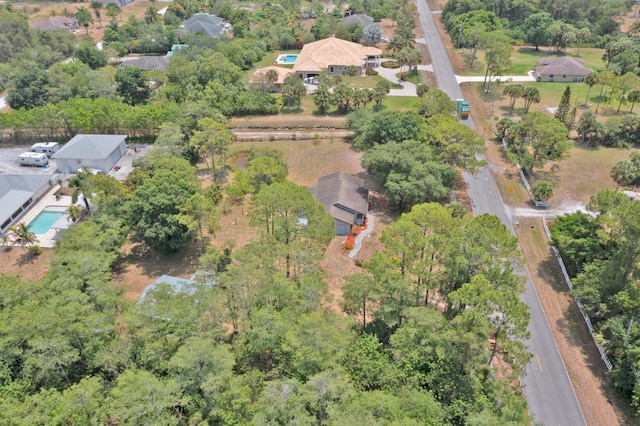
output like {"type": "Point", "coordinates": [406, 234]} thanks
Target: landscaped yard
{"type": "Point", "coordinates": [524, 58]}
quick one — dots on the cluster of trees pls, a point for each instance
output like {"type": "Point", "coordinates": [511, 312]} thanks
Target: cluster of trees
{"type": "Point", "coordinates": [252, 340]}
{"type": "Point", "coordinates": [555, 24]}
{"type": "Point", "coordinates": [413, 155]}
{"type": "Point", "coordinates": [534, 140]}
{"type": "Point", "coordinates": [601, 254]}
{"type": "Point", "coordinates": [618, 132]}
{"type": "Point", "coordinates": [23, 48]}
{"type": "Point", "coordinates": [333, 91]}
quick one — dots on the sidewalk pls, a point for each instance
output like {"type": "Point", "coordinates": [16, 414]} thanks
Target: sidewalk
{"type": "Point", "coordinates": [358, 243]}
{"type": "Point", "coordinates": [409, 89]}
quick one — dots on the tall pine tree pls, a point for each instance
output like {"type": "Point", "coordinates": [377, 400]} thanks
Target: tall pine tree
{"type": "Point", "coordinates": [563, 113]}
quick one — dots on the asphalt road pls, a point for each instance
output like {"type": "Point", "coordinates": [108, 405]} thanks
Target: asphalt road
{"type": "Point", "coordinates": [547, 387]}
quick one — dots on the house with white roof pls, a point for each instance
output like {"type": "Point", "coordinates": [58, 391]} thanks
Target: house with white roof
{"type": "Point", "coordinates": [99, 152]}
{"type": "Point", "coordinates": [18, 192]}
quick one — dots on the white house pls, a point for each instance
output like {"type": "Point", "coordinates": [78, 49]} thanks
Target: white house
{"type": "Point", "coordinates": [18, 192]}
{"type": "Point", "coordinates": [100, 152]}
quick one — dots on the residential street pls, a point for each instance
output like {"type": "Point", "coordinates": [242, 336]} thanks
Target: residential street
{"type": "Point", "coordinates": [547, 387]}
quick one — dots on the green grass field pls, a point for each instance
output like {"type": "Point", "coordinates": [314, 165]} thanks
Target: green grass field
{"type": "Point", "coordinates": [524, 58]}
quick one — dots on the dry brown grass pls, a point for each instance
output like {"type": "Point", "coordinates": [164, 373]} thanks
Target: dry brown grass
{"type": "Point", "coordinates": [309, 160]}
{"type": "Point", "coordinates": [18, 262]}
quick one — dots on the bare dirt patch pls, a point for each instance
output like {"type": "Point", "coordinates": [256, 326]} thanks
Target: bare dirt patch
{"type": "Point", "coordinates": [18, 262]}
{"type": "Point", "coordinates": [586, 370]}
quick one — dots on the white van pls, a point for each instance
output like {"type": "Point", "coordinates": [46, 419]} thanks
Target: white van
{"type": "Point", "coordinates": [33, 159]}
{"type": "Point", "coordinates": [48, 148]}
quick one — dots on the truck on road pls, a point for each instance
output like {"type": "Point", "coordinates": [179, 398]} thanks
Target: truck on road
{"type": "Point", "coordinates": [463, 108]}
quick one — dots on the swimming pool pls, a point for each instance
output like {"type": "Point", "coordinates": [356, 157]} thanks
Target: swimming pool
{"type": "Point", "coordinates": [47, 217]}
{"type": "Point", "coordinates": [287, 59]}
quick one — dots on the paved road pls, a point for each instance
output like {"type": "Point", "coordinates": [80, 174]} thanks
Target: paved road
{"type": "Point", "coordinates": [547, 386]}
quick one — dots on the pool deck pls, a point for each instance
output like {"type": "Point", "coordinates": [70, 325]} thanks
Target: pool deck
{"type": "Point", "coordinates": [49, 238]}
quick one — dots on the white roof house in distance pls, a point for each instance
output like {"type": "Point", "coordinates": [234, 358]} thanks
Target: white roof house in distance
{"type": "Point", "coordinates": [99, 152]}
{"type": "Point", "coordinates": [18, 192]}
{"type": "Point", "coordinates": [205, 23]}
{"type": "Point", "coordinates": [335, 56]}
{"type": "Point", "coordinates": [344, 198]}
{"type": "Point", "coordinates": [563, 69]}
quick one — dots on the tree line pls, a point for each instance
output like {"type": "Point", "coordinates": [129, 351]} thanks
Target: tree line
{"type": "Point", "coordinates": [601, 256]}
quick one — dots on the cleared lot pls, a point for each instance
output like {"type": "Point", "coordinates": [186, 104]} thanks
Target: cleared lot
{"type": "Point", "coordinates": [9, 162]}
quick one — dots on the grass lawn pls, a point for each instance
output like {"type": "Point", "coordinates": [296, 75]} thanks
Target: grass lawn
{"type": "Point", "coordinates": [524, 58]}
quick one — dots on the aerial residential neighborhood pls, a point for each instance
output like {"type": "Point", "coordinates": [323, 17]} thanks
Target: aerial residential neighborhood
{"type": "Point", "coordinates": [342, 213]}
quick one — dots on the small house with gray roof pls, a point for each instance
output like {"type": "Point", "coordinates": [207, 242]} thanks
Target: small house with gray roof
{"type": "Point", "coordinates": [205, 23]}
{"type": "Point", "coordinates": [147, 63]}
{"type": "Point", "coordinates": [99, 152]}
{"type": "Point", "coordinates": [56, 23]}
{"type": "Point", "coordinates": [345, 198]}
{"type": "Point", "coordinates": [562, 69]}
{"type": "Point", "coordinates": [18, 192]}
{"type": "Point", "coordinates": [358, 19]}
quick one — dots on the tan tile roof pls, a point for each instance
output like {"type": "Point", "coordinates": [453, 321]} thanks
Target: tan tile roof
{"type": "Point", "coordinates": [321, 54]}
{"type": "Point", "coordinates": [282, 74]}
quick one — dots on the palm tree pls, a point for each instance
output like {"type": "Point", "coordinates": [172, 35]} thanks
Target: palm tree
{"type": "Point", "coordinates": [6, 238]}
{"type": "Point", "coordinates": [268, 79]}
{"type": "Point", "coordinates": [394, 44]}
{"type": "Point", "coordinates": [590, 80]}
{"type": "Point", "coordinates": [530, 95]}
{"type": "Point", "coordinates": [151, 15]}
{"type": "Point", "coordinates": [633, 97]}
{"type": "Point", "coordinates": [75, 212]}
{"type": "Point", "coordinates": [22, 235]}
{"type": "Point", "coordinates": [514, 91]}
{"type": "Point", "coordinates": [113, 10]}
{"type": "Point", "coordinates": [624, 173]}
{"type": "Point", "coordinates": [83, 17]}
{"type": "Point", "coordinates": [96, 5]}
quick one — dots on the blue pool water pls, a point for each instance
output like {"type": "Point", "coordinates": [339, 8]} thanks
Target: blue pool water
{"type": "Point", "coordinates": [290, 59]}
{"type": "Point", "coordinates": [42, 223]}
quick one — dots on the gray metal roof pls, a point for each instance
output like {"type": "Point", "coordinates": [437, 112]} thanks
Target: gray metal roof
{"type": "Point", "coordinates": [342, 189]}
{"type": "Point", "coordinates": [90, 147]}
